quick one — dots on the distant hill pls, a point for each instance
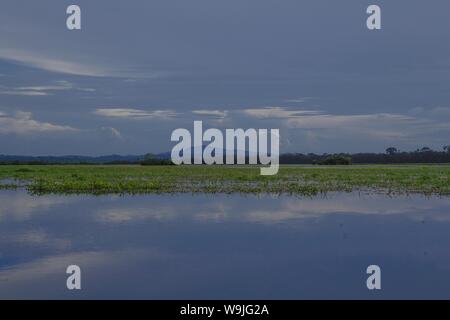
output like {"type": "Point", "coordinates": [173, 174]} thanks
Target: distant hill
{"type": "Point", "coordinates": [72, 159]}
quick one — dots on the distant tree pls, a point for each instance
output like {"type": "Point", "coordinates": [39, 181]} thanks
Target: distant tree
{"type": "Point", "coordinates": [425, 149]}
{"type": "Point", "coordinates": [391, 150]}
{"type": "Point", "coordinates": [148, 156]}
{"type": "Point", "coordinates": [335, 160]}
{"type": "Point", "coordinates": [446, 149]}
{"type": "Point", "coordinates": [152, 160]}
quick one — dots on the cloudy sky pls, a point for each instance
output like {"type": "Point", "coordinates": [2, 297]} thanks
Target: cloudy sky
{"type": "Point", "coordinates": [140, 69]}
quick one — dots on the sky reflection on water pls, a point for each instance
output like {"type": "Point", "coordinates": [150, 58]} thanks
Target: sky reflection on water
{"type": "Point", "coordinates": [224, 246]}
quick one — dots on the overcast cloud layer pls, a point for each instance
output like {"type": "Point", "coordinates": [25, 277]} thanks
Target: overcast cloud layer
{"type": "Point", "coordinates": [140, 69]}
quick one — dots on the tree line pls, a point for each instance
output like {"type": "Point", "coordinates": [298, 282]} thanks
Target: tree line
{"type": "Point", "coordinates": [392, 155]}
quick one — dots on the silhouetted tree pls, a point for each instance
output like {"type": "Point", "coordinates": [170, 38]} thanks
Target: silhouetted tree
{"type": "Point", "coordinates": [446, 149]}
{"type": "Point", "coordinates": [335, 160]}
{"type": "Point", "coordinates": [391, 150]}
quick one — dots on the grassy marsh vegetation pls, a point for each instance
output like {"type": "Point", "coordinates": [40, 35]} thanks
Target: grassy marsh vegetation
{"type": "Point", "coordinates": [301, 180]}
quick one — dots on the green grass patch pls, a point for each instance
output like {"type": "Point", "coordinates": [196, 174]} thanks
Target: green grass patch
{"type": "Point", "coordinates": [301, 180]}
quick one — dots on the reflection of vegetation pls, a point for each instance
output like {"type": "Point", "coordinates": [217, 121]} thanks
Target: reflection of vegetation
{"type": "Point", "coordinates": [98, 179]}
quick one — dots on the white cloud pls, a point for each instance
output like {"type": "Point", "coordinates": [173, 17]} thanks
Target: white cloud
{"type": "Point", "coordinates": [23, 123]}
{"type": "Point", "coordinates": [211, 113]}
{"type": "Point", "coordinates": [53, 65]}
{"type": "Point", "coordinates": [390, 128]}
{"type": "Point", "coordinates": [87, 89]}
{"type": "Point", "coordinates": [314, 119]}
{"type": "Point", "coordinates": [28, 93]}
{"type": "Point", "coordinates": [328, 121]}
{"type": "Point", "coordinates": [298, 100]}
{"type": "Point", "coordinates": [43, 90]}
{"type": "Point", "coordinates": [135, 114]}
{"type": "Point", "coordinates": [59, 85]}
{"type": "Point", "coordinates": [314, 128]}
{"type": "Point", "coordinates": [277, 113]}
{"type": "Point", "coordinates": [69, 65]}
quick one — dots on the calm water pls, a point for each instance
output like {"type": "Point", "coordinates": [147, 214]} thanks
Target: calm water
{"type": "Point", "coordinates": [213, 247]}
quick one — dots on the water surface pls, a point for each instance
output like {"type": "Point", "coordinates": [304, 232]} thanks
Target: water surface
{"type": "Point", "coordinates": [224, 246]}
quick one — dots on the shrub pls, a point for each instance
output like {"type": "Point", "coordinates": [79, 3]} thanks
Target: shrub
{"type": "Point", "coordinates": [335, 160]}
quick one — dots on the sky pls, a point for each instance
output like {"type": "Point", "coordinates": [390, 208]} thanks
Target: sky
{"type": "Point", "coordinates": [139, 69]}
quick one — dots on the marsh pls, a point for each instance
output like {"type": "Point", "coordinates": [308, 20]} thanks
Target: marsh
{"type": "Point", "coordinates": [295, 179]}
